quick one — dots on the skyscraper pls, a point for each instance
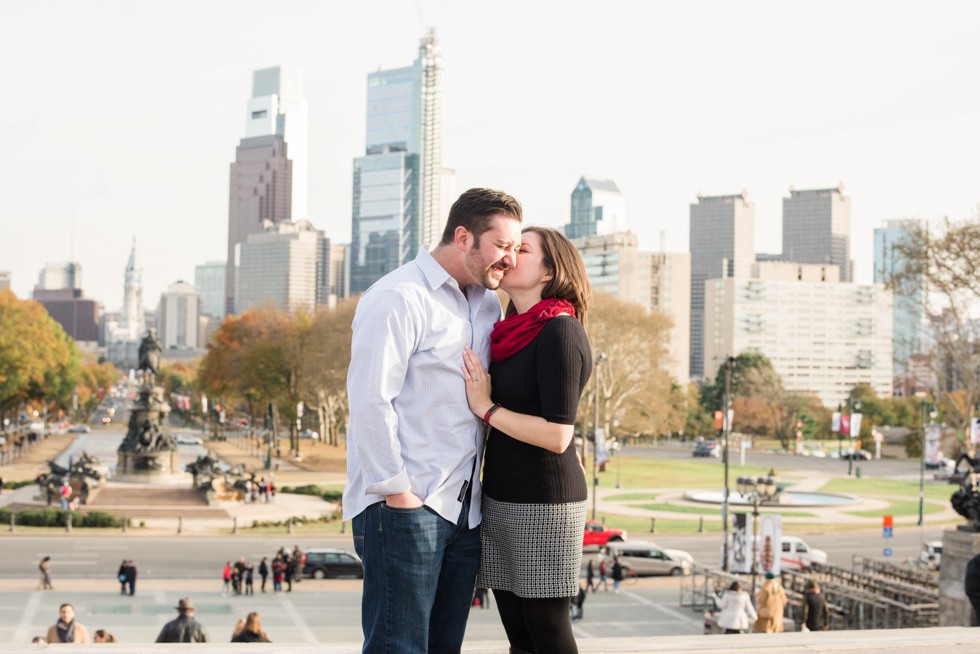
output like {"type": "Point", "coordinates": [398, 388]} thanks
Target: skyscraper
{"type": "Point", "coordinates": [909, 316]}
{"type": "Point", "coordinates": [397, 183]}
{"type": "Point", "coordinates": [817, 228]}
{"type": "Point", "coordinates": [58, 276]}
{"type": "Point", "coordinates": [178, 317]}
{"type": "Point", "coordinates": [598, 209]}
{"type": "Point", "coordinates": [269, 175]}
{"type": "Point", "coordinates": [209, 282]}
{"type": "Point", "coordinates": [722, 243]}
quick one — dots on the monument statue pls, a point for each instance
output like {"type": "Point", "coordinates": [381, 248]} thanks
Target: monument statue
{"type": "Point", "coordinates": [966, 500]}
{"type": "Point", "coordinates": [148, 449]}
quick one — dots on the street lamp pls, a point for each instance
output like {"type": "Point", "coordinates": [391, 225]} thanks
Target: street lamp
{"type": "Point", "coordinates": [726, 430]}
{"type": "Point", "coordinates": [756, 491]}
{"type": "Point", "coordinates": [922, 460]}
{"type": "Point", "coordinates": [599, 358]}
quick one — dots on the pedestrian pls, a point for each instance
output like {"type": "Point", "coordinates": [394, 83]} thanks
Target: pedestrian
{"type": "Point", "coordinates": [300, 557]}
{"type": "Point", "coordinates": [103, 636]}
{"type": "Point", "coordinates": [131, 577]}
{"type": "Point", "coordinates": [578, 602]}
{"type": "Point", "coordinates": [65, 494]}
{"type": "Point", "coordinates": [816, 612]}
{"type": "Point", "coordinates": [249, 580]}
{"type": "Point", "coordinates": [972, 587]}
{"type": "Point", "coordinates": [122, 576]}
{"type": "Point", "coordinates": [737, 612]}
{"type": "Point", "coordinates": [264, 571]}
{"type": "Point", "coordinates": [1, 478]}
{"type": "Point", "coordinates": [248, 491]}
{"type": "Point", "coordinates": [184, 628]}
{"type": "Point", "coordinates": [534, 492]}
{"type": "Point", "coordinates": [772, 603]}
{"type": "Point", "coordinates": [411, 443]}
{"type": "Point", "coordinates": [290, 572]}
{"type": "Point", "coordinates": [617, 574]}
{"type": "Point", "coordinates": [67, 629]}
{"type": "Point", "coordinates": [278, 570]}
{"type": "Point", "coordinates": [590, 576]}
{"type": "Point", "coordinates": [44, 567]}
{"type": "Point", "coordinates": [251, 631]}
{"type": "Point", "coordinates": [50, 493]}
{"type": "Point", "coordinates": [226, 579]}
{"type": "Point", "coordinates": [481, 597]}
{"type": "Point", "coordinates": [602, 574]}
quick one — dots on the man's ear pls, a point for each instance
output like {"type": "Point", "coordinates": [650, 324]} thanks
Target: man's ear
{"type": "Point", "coordinates": [462, 237]}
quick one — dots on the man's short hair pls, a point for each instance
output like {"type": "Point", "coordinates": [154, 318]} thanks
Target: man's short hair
{"type": "Point", "coordinates": [474, 209]}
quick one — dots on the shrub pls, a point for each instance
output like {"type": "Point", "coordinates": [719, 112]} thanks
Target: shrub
{"type": "Point", "coordinates": [58, 518]}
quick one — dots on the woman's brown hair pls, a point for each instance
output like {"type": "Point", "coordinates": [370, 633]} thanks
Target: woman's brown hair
{"type": "Point", "coordinates": [568, 279]}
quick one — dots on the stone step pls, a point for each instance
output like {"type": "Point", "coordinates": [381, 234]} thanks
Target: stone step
{"type": "Point", "coordinates": [183, 497]}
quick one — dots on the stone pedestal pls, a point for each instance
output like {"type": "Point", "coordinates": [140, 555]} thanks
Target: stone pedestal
{"type": "Point", "coordinates": [959, 547]}
{"type": "Point", "coordinates": [146, 466]}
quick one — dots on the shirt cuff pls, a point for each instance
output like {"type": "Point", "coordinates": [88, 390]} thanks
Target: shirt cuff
{"type": "Point", "coordinates": [397, 484]}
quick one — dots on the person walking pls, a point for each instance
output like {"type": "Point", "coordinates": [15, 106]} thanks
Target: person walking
{"type": "Point", "coordinates": [413, 457]}
{"type": "Point", "coordinates": [226, 580]}
{"type": "Point", "coordinates": [578, 603]}
{"type": "Point", "coordinates": [534, 489]}
{"type": "Point", "coordinates": [602, 574]}
{"type": "Point", "coordinates": [737, 612]}
{"type": "Point", "coordinates": [65, 494]}
{"type": "Point", "coordinates": [590, 576]}
{"type": "Point", "coordinates": [249, 579]}
{"type": "Point", "coordinates": [264, 571]}
{"type": "Point", "coordinates": [184, 628]}
{"type": "Point", "coordinates": [131, 577]}
{"type": "Point", "coordinates": [121, 575]}
{"type": "Point", "coordinates": [971, 586]}
{"type": "Point", "coordinates": [290, 572]}
{"type": "Point", "coordinates": [278, 571]}
{"type": "Point", "coordinates": [251, 631]}
{"type": "Point", "coordinates": [44, 568]}
{"type": "Point", "coordinates": [772, 603]}
{"type": "Point", "coordinates": [67, 629]}
{"type": "Point", "coordinates": [816, 612]}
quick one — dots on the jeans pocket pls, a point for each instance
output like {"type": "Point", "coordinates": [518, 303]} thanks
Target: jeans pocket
{"type": "Point", "coordinates": [395, 509]}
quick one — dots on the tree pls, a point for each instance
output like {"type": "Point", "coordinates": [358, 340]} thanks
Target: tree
{"type": "Point", "coordinates": [713, 394]}
{"type": "Point", "coordinates": [940, 274]}
{"type": "Point", "coordinates": [325, 368]}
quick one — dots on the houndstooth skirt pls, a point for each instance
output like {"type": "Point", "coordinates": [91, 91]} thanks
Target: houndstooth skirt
{"type": "Point", "coordinates": [531, 550]}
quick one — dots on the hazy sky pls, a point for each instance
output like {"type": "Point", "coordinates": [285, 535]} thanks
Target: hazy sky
{"type": "Point", "coordinates": [120, 119]}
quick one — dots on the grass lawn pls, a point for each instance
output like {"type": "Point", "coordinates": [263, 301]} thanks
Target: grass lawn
{"type": "Point", "coordinates": [900, 508]}
{"type": "Point", "coordinates": [889, 488]}
{"type": "Point", "coordinates": [626, 497]}
{"type": "Point", "coordinates": [710, 510]}
{"type": "Point", "coordinates": [658, 473]}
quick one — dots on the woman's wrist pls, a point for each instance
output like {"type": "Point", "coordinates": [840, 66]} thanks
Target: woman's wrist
{"type": "Point", "coordinates": [489, 412]}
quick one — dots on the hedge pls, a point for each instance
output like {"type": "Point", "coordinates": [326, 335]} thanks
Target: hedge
{"type": "Point", "coordinates": [58, 518]}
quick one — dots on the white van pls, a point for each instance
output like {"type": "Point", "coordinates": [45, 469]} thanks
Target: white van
{"type": "Point", "coordinates": [797, 553]}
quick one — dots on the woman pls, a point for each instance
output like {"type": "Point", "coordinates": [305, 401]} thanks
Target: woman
{"type": "Point", "coordinates": [251, 631]}
{"type": "Point", "coordinates": [44, 567]}
{"type": "Point", "coordinates": [103, 636]}
{"type": "Point", "coordinates": [737, 612]}
{"type": "Point", "coordinates": [772, 603]}
{"type": "Point", "coordinates": [534, 487]}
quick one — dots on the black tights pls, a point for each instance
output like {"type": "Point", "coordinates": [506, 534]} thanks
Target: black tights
{"type": "Point", "coordinates": [538, 626]}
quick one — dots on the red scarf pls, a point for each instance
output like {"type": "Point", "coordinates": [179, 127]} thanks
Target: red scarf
{"type": "Point", "coordinates": [513, 333]}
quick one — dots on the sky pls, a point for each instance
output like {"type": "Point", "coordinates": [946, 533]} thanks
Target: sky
{"type": "Point", "coordinates": [119, 119]}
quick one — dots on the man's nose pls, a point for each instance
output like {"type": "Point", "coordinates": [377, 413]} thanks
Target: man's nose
{"type": "Point", "coordinates": [510, 259]}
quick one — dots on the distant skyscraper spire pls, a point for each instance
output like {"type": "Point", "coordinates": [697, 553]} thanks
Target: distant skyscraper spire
{"type": "Point", "coordinates": [133, 321]}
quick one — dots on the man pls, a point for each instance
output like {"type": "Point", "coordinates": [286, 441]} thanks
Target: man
{"type": "Point", "coordinates": [183, 629]}
{"type": "Point", "coordinates": [131, 576]}
{"type": "Point", "coordinates": [66, 629]}
{"type": "Point", "coordinates": [816, 613]}
{"type": "Point", "coordinates": [972, 587]}
{"type": "Point", "coordinates": [413, 445]}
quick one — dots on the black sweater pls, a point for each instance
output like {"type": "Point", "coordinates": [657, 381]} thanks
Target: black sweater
{"type": "Point", "coordinates": [544, 379]}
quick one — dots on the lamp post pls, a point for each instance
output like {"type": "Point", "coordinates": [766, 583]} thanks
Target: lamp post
{"type": "Point", "coordinates": [599, 358]}
{"type": "Point", "coordinates": [756, 491]}
{"type": "Point", "coordinates": [922, 461]}
{"type": "Point", "coordinates": [726, 430]}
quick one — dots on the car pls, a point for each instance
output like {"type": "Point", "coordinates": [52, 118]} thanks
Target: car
{"type": "Point", "coordinates": [328, 563]}
{"type": "Point", "coordinates": [707, 448]}
{"type": "Point", "coordinates": [942, 463]}
{"type": "Point", "coordinates": [188, 439]}
{"type": "Point", "coordinates": [797, 553]}
{"type": "Point", "coordinates": [855, 455]}
{"type": "Point", "coordinates": [79, 429]}
{"type": "Point", "coordinates": [309, 434]}
{"type": "Point", "coordinates": [932, 554]}
{"type": "Point", "coordinates": [646, 558]}
{"type": "Point", "coordinates": [599, 534]}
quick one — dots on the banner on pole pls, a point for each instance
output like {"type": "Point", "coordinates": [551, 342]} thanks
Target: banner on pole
{"type": "Point", "coordinates": [740, 552]}
{"type": "Point", "coordinates": [770, 542]}
{"type": "Point", "coordinates": [932, 444]}
{"type": "Point", "coordinates": [975, 431]}
{"type": "Point", "coordinates": [835, 422]}
{"type": "Point", "coordinates": [845, 425]}
{"type": "Point", "coordinates": [855, 425]}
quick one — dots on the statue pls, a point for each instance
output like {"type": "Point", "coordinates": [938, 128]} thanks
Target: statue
{"type": "Point", "coordinates": [966, 500]}
{"type": "Point", "coordinates": [150, 349]}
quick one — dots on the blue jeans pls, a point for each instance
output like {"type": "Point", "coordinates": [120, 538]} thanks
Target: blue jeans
{"type": "Point", "coordinates": [419, 575]}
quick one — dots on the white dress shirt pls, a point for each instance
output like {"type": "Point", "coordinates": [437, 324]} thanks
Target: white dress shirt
{"type": "Point", "coordinates": [410, 426]}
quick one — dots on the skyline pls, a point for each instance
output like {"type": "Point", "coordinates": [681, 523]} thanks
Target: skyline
{"type": "Point", "coordinates": [128, 128]}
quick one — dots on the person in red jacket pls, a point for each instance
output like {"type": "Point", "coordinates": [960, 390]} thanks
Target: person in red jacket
{"type": "Point", "coordinates": [226, 578]}
{"type": "Point", "coordinates": [278, 572]}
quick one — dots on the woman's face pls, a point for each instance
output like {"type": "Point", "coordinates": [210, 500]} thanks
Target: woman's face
{"type": "Point", "coordinates": [530, 273]}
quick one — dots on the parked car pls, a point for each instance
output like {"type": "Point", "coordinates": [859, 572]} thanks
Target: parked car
{"type": "Point", "coordinates": [599, 534]}
{"type": "Point", "coordinates": [707, 448]}
{"type": "Point", "coordinates": [941, 464]}
{"type": "Point", "coordinates": [932, 554]}
{"type": "Point", "coordinates": [309, 434]}
{"type": "Point", "coordinates": [814, 449]}
{"type": "Point", "coordinates": [797, 553]}
{"type": "Point", "coordinates": [188, 439]}
{"type": "Point", "coordinates": [79, 429]}
{"type": "Point", "coordinates": [323, 564]}
{"type": "Point", "coordinates": [645, 558]}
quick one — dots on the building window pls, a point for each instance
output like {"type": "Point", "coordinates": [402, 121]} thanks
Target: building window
{"type": "Point", "coordinates": [261, 113]}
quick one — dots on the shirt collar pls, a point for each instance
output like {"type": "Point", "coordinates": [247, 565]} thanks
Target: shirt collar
{"type": "Point", "coordinates": [435, 275]}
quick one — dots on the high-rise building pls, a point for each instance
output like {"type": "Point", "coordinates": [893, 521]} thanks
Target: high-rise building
{"type": "Point", "coordinates": [658, 281]}
{"type": "Point", "coordinates": [333, 283]}
{"type": "Point", "coordinates": [209, 282]}
{"type": "Point", "coordinates": [722, 243]}
{"type": "Point", "coordinates": [4, 280]}
{"type": "Point", "coordinates": [817, 228]}
{"type": "Point", "coordinates": [77, 315]}
{"type": "Point", "coordinates": [909, 316]}
{"type": "Point", "coordinates": [598, 208]}
{"type": "Point", "coordinates": [178, 317]}
{"type": "Point", "coordinates": [397, 183]}
{"type": "Point", "coordinates": [821, 336]}
{"type": "Point", "coordinates": [282, 267]}
{"type": "Point", "coordinates": [58, 276]}
{"type": "Point", "coordinates": [269, 179]}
